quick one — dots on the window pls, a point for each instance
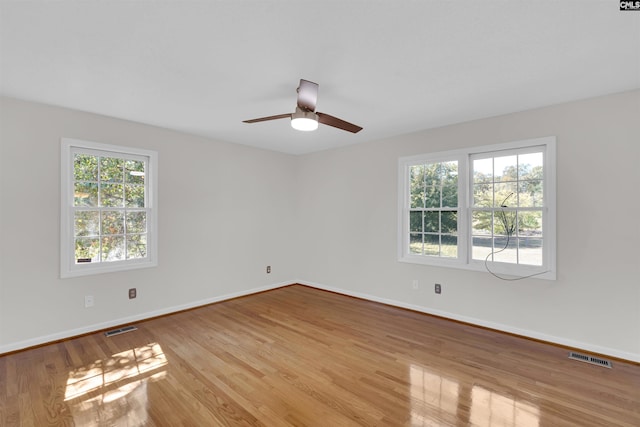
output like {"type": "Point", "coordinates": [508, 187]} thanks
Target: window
{"type": "Point", "coordinates": [108, 212]}
{"type": "Point", "coordinates": [489, 208]}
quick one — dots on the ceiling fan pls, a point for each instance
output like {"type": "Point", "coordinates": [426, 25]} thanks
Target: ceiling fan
{"type": "Point", "coordinates": [305, 117]}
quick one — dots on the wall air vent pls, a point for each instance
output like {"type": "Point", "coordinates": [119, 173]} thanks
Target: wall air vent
{"type": "Point", "coordinates": [590, 359]}
{"type": "Point", "coordinates": [120, 331]}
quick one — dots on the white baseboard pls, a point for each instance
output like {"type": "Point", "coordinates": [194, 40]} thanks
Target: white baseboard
{"type": "Point", "coordinates": [633, 357]}
{"type": "Point", "coordinates": [20, 345]}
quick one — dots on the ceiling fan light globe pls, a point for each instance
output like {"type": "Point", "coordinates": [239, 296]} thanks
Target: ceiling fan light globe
{"type": "Point", "coordinates": [304, 124]}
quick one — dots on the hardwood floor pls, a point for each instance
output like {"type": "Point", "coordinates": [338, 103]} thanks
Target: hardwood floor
{"type": "Point", "coordinates": [297, 356]}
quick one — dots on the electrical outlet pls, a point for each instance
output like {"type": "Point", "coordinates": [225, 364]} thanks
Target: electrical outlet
{"type": "Point", "coordinates": [268, 269]}
{"type": "Point", "coordinates": [438, 288]}
{"type": "Point", "coordinates": [133, 293]}
{"type": "Point", "coordinates": [88, 301]}
{"type": "Point", "coordinates": [415, 284]}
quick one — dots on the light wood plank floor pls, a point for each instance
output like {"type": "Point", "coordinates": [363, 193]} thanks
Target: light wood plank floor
{"type": "Point", "coordinates": [297, 356]}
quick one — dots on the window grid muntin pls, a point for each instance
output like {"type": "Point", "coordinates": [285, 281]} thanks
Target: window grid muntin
{"type": "Point", "coordinates": [101, 181]}
{"type": "Point", "coordinates": [497, 202]}
{"type": "Point", "coordinates": [426, 184]}
{"type": "Point", "coordinates": [126, 235]}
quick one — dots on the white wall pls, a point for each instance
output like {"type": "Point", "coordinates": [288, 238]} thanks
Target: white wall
{"type": "Point", "coordinates": [328, 219]}
{"type": "Point", "coordinates": [224, 214]}
{"type": "Point", "coordinates": [347, 208]}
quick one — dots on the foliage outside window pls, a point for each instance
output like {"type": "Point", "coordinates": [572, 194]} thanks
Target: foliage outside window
{"type": "Point", "coordinates": [433, 214]}
{"type": "Point", "coordinates": [490, 208]}
{"type": "Point", "coordinates": [108, 212]}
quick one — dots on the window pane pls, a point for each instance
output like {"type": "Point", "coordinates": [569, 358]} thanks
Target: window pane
{"type": "Point", "coordinates": [111, 195]}
{"type": "Point", "coordinates": [481, 223]}
{"type": "Point", "coordinates": [432, 222]}
{"type": "Point", "coordinates": [530, 251]}
{"type": "Point", "coordinates": [506, 250]}
{"type": "Point", "coordinates": [111, 169]}
{"type": "Point", "coordinates": [134, 196]}
{"type": "Point", "coordinates": [449, 173]}
{"type": "Point", "coordinates": [431, 244]}
{"type": "Point", "coordinates": [417, 199]}
{"type": "Point", "coordinates": [449, 246]}
{"type": "Point", "coordinates": [87, 249]}
{"type": "Point", "coordinates": [531, 165]}
{"type": "Point", "coordinates": [530, 193]}
{"type": "Point", "coordinates": [530, 224]}
{"type": "Point", "coordinates": [85, 194]}
{"type": "Point", "coordinates": [112, 222]}
{"type": "Point", "coordinates": [481, 248]}
{"type": "Point", "coordinates": [113, 248]}
{"type": "Point", "coordinates": [417, 186]}
{"type": "Point", "coordinates": [504, 223]}
{"type": "Point", "coordinates": [483, 195]}
{"type": "Point", "coordinates": [482, 171]}
{"type": "Point", "coordinates": [87, 223]}
{"type": "Point", "coordinates": [85, 167]}
{"type": "Point", "coordinates": [415, 221]}
{"type": "Point", "coordinates": [134, 172]}
{"type": "Point", "coordinates": [449, 222]}
{"type": "Point", "coordinates": [432, 175]}
{"type": "Point", "coordinates": [505, 194]}
{"type": "Point", "coordinates": [505, 168]}
{"type": "Point", "coordinates": [136, 222]}
{"type": "Point", "coordinates": [136, 246]}
{"type": "Point", "coordinates": [450, 196]}
{"type": "Point", "coordinates": [415, 243]}
{"type": "Point", "coordinates": [432, 196]}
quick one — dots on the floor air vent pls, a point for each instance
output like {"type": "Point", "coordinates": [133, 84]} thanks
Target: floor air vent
{"type": "Point", "coordinates": [590, 359]}
{"type": "Point", "coordinates": [120, 331]}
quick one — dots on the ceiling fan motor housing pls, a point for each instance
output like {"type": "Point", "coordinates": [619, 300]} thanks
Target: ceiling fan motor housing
{"type": "Point", "coordinates": [304, 120]}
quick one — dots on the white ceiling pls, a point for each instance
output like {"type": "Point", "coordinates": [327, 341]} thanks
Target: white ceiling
{"type": "Point", "coordinates": [390, 66]}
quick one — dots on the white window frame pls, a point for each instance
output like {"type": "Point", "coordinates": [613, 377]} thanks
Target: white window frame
{"type": "Point", "coordinates": [465, 201]}
{"type": "Point", "coordinates": [68, 266]}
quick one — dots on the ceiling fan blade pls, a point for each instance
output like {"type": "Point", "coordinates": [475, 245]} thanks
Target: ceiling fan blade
{"type": "Point", "coordinates": [307, 95]}
{"type": "Point", "coordinates": [264, 119]}
{"type": "Point", "coordinates": [326, 119]}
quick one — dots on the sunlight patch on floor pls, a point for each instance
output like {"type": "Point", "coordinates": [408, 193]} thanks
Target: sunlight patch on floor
{"type": "Point", "coordinates": [489, 408]}
{"type": "Point", "coordinates": [114, 391]}
{"type": "Point", "coordinates": [127, 364]}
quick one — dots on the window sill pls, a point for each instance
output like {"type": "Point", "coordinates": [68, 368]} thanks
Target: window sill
{"type": "Point", "coordinates": [507, 272]}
